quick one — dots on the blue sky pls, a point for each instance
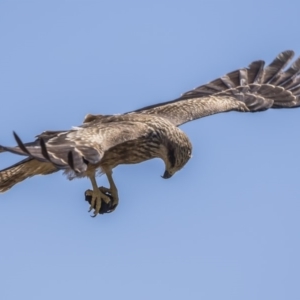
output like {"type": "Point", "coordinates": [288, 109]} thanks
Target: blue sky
{"type": "Point", "coordinates": [225, 227]}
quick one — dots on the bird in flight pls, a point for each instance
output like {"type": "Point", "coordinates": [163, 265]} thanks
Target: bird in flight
{"type": "Point", "coordinates": [103, 142]}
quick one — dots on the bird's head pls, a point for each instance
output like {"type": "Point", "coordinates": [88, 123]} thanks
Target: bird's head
{"type": "Point", "coordinates": [177, 156]}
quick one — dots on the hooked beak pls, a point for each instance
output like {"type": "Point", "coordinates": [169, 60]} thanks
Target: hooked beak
{"type": "Point", "coordinates": [166, 175]}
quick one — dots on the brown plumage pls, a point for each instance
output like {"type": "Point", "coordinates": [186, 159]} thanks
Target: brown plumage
{"type": "Point", "coordinates": [103, 142]}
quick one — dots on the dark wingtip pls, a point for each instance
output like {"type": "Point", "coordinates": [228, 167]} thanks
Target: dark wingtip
{"type": "Point", "coordinates": [20, 144]}
{"type": "Point", "coordinates": [44, 149]}
{"type": "Point", "coordinates": [71, 160]}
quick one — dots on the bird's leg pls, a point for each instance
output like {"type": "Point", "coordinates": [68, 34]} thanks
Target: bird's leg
{"type": "Point", "coordinates": [112, 189]}
{"type": "Point", "coordinates": [97, 196]}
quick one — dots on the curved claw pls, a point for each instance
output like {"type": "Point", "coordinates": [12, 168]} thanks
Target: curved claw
{"type": "Point", "coordinates": [105, 207]}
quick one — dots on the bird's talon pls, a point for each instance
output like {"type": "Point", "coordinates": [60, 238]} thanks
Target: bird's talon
{"type": "Point", "coordinates": [108, 202]}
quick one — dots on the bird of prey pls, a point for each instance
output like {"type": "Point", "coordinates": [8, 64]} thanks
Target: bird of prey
{"type": "Point", "coordinates": [103, 142]}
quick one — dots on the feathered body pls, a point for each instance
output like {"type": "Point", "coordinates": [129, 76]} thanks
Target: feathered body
{"type": "Point", "coordinates": [103, 142]}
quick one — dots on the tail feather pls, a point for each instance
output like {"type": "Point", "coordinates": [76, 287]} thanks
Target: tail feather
{"type": "Point", "coordinates": [22, 170]}
{"type": "Point", "coordinates": [62, 149]}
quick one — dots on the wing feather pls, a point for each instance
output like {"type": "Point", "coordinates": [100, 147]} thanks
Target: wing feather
{"type": "Point", "coordinates": [250, 89]}
{"type": "Point", "coordinates": [22, 170]}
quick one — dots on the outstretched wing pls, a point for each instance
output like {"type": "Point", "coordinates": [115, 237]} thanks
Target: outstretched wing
{"type": "Point", "coordinates": [80, 146]}
{"type": "Point", "coordinates": [250, 89]}
{"type": "Point", "coordinates": [24, 169]}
